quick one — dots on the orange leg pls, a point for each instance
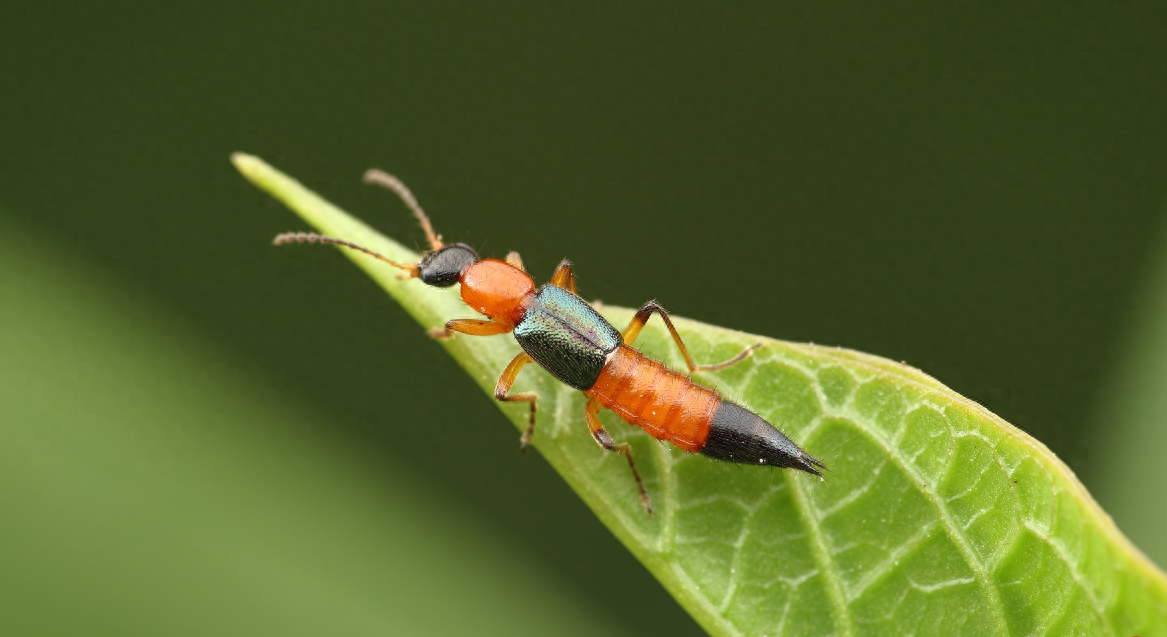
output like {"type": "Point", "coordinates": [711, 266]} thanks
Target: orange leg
{"type": "Point", "coordinates": [592, 413]}
{"type": "Point", "coordinates": [385, 180]}
{"type": "Point", "coordinates": [515, 260]}
{"type": "Point", "coordinates": [471, 327]}
{"type": "Point", "coordinates": [502, 393]}
{"type": "Point", "coordinates": [564, 277]}
{"type": "Point", "coordinates": [646, 311]}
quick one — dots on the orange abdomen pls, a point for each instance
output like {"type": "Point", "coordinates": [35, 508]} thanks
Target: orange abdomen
{"type": "Point", "coordinates": [645, 393]}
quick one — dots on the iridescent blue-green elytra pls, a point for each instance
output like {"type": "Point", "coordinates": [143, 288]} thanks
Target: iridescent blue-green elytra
{"type": "Point", "coordinates": [567, 336]}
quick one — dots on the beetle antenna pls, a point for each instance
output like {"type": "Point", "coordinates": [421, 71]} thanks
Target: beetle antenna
{"type": "Point", "coordinates": [312, 237]}
{"type": "Point", "coordinates": [385, 180]}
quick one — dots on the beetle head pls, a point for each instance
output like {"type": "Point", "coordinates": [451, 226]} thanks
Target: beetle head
{"type": "Point", "coordinates": [442, 267]}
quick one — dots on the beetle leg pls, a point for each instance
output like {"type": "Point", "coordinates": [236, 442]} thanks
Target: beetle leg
{"type": "Point", "coordinates": [515, 260]}
{"type": "Point", "coordinates": [502, 393]}
{"type": "Point", "coordinates": [472, 327]}
{"type": "Point", "coordinates": [592, 412]}
{"type": "Point", "coordinates": [646, 311]}
{"type": "Point", "coordinates": [564, 277]}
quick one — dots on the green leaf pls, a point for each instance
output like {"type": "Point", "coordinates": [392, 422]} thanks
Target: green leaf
{"type": "Point", "coordinates": [937, 517]}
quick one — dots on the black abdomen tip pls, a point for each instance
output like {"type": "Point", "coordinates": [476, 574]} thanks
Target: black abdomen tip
{"type": "Point", "coordinates": [737, 434]}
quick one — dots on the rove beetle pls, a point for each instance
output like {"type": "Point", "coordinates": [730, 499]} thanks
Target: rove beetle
{"type": "Point", "coordinates": [568, 337]}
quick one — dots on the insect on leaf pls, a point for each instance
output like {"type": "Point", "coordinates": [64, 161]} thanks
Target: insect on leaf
{"type": "Point", "coordinates": [936, 517]}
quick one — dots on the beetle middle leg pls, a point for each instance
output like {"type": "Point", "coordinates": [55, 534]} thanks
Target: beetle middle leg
{"type": "Point", "coordinates": [647, 310]}
{"type": "Point", "coordinates": [502, 393]}
{"type": "Point", "coordinates": [592, 413]}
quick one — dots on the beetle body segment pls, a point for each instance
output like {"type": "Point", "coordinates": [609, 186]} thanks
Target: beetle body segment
{"type": "Point", "coordinates": [666, 404]}
{"type": "Point", "coordinates": [496, 289]}
{"type": "Point", "coordinates": [737, 434]}
{"type": "Point", "coordinates": [566, 336]}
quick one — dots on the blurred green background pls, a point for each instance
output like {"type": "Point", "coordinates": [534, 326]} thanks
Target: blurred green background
{"type": "Point", "coordinates": [200, 434]}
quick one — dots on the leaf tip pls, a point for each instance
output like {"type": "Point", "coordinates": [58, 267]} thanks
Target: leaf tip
{"type": "Point", "coordinates": [249, 165]}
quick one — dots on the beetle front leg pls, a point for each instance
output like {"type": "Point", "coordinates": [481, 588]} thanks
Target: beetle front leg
{"type": "Point", "coordinates": [470, 327]}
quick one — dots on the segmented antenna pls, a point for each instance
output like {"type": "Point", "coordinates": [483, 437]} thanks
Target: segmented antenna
{"type": "Point", "coordinates": [385, 180]}
{"type": "Point", "coordinates": [312, 237]}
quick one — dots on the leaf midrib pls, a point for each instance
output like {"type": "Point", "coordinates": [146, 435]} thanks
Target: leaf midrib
{"type": "Point", "coordinates": [833, 584]}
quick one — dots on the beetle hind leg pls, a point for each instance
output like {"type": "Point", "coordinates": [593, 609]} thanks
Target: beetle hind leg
{"type": "Point", "coordinates": [648, 309]}
{"type": "Point", "coordinates": [592, 412]}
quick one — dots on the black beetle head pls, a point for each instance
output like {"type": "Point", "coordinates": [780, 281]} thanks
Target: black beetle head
{"type": "Point", "coordinates": [442, 267]}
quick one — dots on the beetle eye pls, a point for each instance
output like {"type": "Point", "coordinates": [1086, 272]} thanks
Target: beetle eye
{"type": "Point", "coordinates": [442, 267]}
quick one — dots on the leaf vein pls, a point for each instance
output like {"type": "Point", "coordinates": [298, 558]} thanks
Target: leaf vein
{"type": "Point", "coordinates": [853, 496]}
{"type": "Point", "coordinates": [832, 583]}
{"type": "Point", "coordinates": [881, 570]}
{"type": "Point", "coordinates": [1095, 604]}
{"type": "Point", "coordinates": [992, 599]}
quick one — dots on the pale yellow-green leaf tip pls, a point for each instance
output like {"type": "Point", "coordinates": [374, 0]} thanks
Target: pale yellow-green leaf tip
{"type": "Point", "coordinates": [254, 169]}
{"type": "Point", "coordinates": [247, 164]}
